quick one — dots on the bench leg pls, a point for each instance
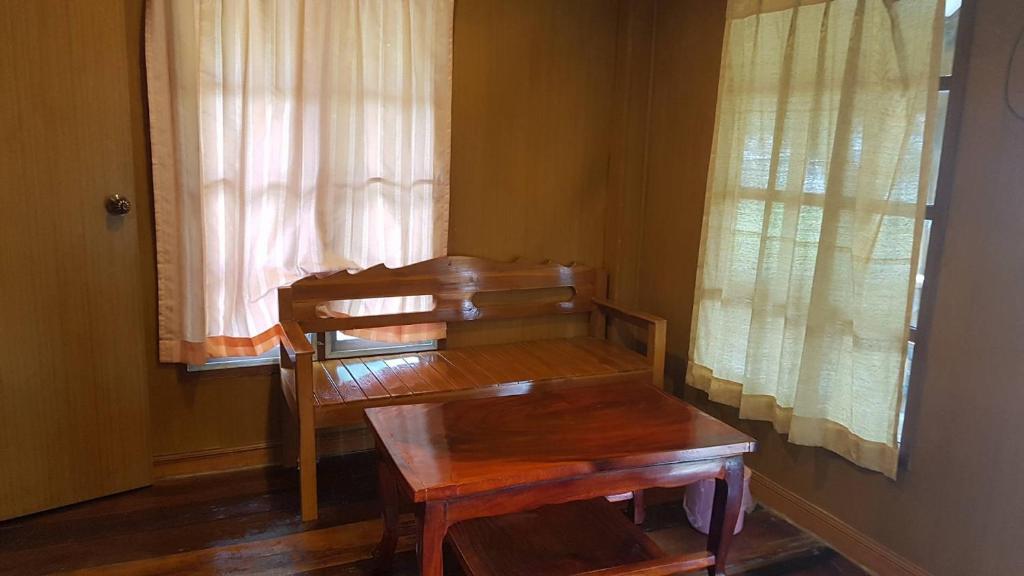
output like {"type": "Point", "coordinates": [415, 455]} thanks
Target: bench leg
{"type": "Point", "coordinates": [307, 469]}
{"type": "Point", "coordinates": [289, 438]}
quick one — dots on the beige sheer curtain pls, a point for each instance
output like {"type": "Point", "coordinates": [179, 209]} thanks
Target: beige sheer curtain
{"type": "Point", "coordinates": [813, 217]}
{"type": "Point", "coordinates": [292, 137]}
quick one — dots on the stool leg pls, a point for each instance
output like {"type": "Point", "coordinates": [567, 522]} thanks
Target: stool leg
{"type": "Point", "coordinates": [639, 509]}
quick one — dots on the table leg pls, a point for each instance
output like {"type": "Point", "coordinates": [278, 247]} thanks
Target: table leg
{"type": "Point", "coordinates": [388, 488]}
{"type": "Point", "coordinates": [725, 513]}
{"type": "Point", "coordinates": [432, 526]}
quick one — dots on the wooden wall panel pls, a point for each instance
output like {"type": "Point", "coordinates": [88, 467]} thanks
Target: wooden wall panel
{"type": "Point", "coordinates": [530, 139]}
{"type": "Point", "coordinates": [627, 171]}
{"type": "Point", "coordinates": [531, 98]}
{"type": "Point", "coordinates": [652, 248]}
{"type": "Point", "coordinates": [212, 410]}
{"type": "Point", "coordinates": [687, 52]}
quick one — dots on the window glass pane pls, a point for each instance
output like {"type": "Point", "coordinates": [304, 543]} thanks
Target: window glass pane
{"type": "Point", "coordinates": [949, 37]}
{"type": "Point", "coordinates": [919, 279]}
{"type": "Point", "coordinates": [341, 345]}
{"type": "Point", "coordinates": [269, 357]}
{"type": "Point", "coordinates": [906, 389]}
{"type": "Point", "coordinates": [942, 110]}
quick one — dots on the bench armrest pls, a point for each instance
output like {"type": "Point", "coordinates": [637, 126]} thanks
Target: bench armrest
{"type": "Point", "coordinates": [632, 316]}
{"type": "Point", "coordinates": [293, 340]}
{"type": "Point", "coordinates": [656, 332]}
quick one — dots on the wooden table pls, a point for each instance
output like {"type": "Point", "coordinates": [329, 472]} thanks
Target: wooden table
{"type": "Point", "coordinates": [472, 467]}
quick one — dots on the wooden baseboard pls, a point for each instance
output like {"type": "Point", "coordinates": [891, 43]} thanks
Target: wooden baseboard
{"type": "Point", "coordinates": [218, 460]}
{"type": "Point", "coordinates": [329, 443]}
{"type": "Point", "coordinates": [845, 539]}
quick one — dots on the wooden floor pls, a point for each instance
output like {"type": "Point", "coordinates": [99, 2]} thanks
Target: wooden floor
{"type": "Point", "coordinates": [248, 523]}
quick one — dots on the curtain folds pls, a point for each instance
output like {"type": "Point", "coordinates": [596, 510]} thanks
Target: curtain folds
{"type": "Point", "coordinates": [290, 138]}
{"type": "Point", "coordinates": [813, 217]}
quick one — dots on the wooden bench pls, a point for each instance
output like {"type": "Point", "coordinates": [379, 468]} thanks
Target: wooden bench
{"type": "Point", "coordinates": [334, 392]}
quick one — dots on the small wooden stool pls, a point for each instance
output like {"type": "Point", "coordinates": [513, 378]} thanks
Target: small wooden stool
{"type": "Point", "coordinates": [559, 540]}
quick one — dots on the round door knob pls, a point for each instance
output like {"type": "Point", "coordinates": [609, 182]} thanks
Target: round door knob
{"type": "Point", "coordinates": [118, 205]}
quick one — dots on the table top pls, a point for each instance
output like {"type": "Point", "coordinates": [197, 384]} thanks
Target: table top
{"type": "Point", "coordinates": [464, 447]}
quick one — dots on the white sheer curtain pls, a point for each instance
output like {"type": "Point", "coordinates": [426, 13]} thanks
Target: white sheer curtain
{"type": "Point", "coordinates": [291, 137]}
{"type": "Point", "coordinates": [813, 217]}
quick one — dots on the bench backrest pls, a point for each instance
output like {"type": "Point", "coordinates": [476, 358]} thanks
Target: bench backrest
{"type": "Point", "coordinates": [453, 281]}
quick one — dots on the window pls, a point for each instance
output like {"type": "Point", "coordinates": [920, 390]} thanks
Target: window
{"type": "Point", "coordinates": [270, 357]}
{"type": "Point", "coordinates": [338, 345]}
{"type": "Point", "coordinates": [265, 172]}
{"type": "Point", "coordinates": [948, 115]}
{"type": "Point", "coordinates": [335, 345]}
{"type": "Point", "coordinates": [820, 176]}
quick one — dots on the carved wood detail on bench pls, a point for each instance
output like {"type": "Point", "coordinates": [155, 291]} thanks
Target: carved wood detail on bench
{"type": "Point", "coordinates": [334, 392]}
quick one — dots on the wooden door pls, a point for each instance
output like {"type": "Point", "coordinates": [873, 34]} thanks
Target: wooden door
{"type": "Point", "coordinates": [73, 391]}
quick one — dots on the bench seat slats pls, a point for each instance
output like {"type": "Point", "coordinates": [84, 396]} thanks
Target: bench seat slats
{"type": "Point", "coordinates": [432, 381]}
{"type": "Point", "coordinates": [544, 368]}
{"type": "Point", "coordinates": [479, 375]}
{"type": "Point", "coordinates": [417, 380]}
{"type": "Point", "coordinates": [620, 359]}
{"type": "Point", "coordinates": [592, 356]}
{"type": "Point", "coordinates": [344, 383]}
{"type": "Point", "coordinates": [498, 364]}
{"type": "Point", "coordinates": [324, 390]}
{"type": "Point", "coordinates": [570, 361]}
{"type": "Point", "coordinates": [387, 377]}
{"type": "Point", "coordinates": [365, 379]}
{"type": "Point", "coordinates": [524, 366]}
{"type": "Point", "coordinates": [359, 380]}
{"type": "Point", "coordinates": [434, 362]}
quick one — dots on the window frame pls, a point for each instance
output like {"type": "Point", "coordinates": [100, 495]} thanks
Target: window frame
{"type": "Point", "coordinates": [325, 347]}
{"type": "Point", "coordinates": [269, 358]}
{"type": "Point", "coordinates": [937, 213]}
